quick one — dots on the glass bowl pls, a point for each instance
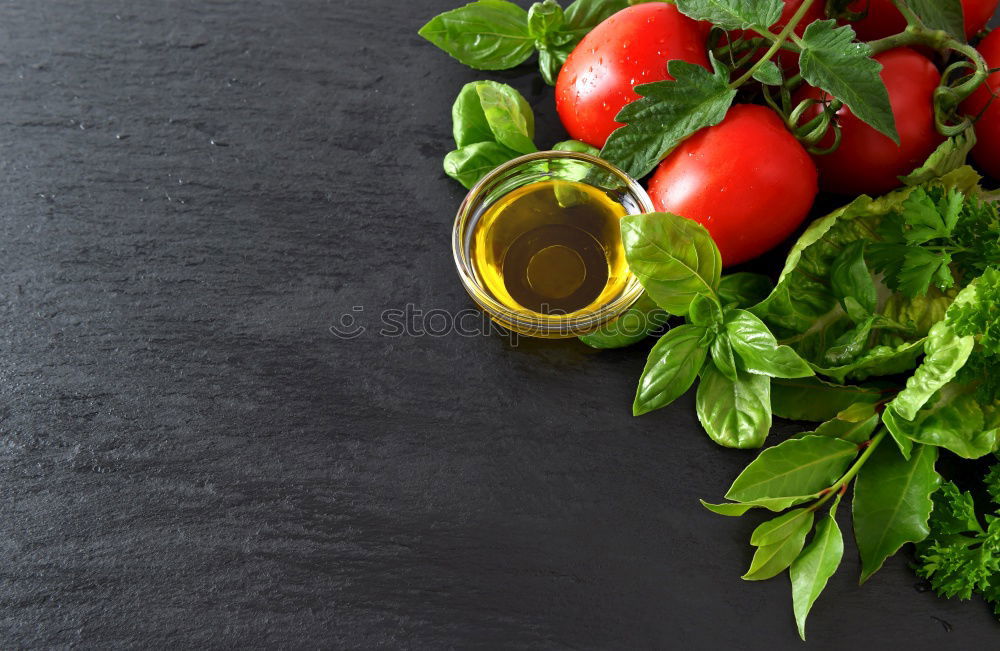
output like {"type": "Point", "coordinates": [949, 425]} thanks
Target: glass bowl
{"type": "Point", "coordinates": [517, 173]}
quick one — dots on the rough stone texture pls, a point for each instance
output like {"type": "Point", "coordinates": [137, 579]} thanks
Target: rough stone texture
{"type": "Point", "coordinates": [192, 193]}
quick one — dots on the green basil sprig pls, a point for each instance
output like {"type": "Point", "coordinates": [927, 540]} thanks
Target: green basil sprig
{"type": "Point", "coordinates": [732, 350]}
{"type": "Point", "coordinates": [492, 123]}
{"type": "Point", "coordinates": [497, 34]}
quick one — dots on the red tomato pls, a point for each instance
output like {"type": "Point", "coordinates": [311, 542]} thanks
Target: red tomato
{"type": "Point", "coordinates": [747, 180]}
{"type": "Point", "coordinates": [987, 151]}
{"type": "Point", "coordinates": [868, 162]}
{"type": "Point", "coordinates": [884, 19]}
{"type": "Point", "coordinates": [790, 60]}
{"type": "Point", "coordinates": [631, 47]}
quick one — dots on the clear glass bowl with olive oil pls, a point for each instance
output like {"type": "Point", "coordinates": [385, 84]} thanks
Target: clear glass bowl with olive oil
{"type": "Point", "coordinates": [538, 246]}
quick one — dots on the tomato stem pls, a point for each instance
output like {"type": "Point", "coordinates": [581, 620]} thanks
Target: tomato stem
{"type": "Point", "coordinates": [947, 97]}
{"type": "Point", "coordinates": [776, 44]}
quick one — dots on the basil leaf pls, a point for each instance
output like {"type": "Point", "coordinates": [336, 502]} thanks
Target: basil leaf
{"type": "Point", "coordinates": [735, 413]}
{"type": "Point", "coordinates": [946, 355]}
{"type": "Point", "coordinates": [833, 61]}
{"type": "Point", "coordinates": [723, 358]}
{"type": "Point", "coordinates": [471, 163]}
{"type": "Point", "coordinates": [550, 62]}
{"type": "Point", "coordinates": [543, 18]}
{"type": "Point", "coordinates": [492, 123]}
{"type": "Point", "coordinates": [759, 350]}
{"type": "Point", "coordinates": [637, 323]}
{"type": "Point", "coordinates": [674, 258]}
{"type": "Point", "coordinates": [850, 278]}
{"type": "Point", "coordinates": [508, 115]}
{"type": "Point", "coordinates": [576, 146]}
{"type": "Point", "coordinates": [705, 312]}
{"type": "Point", "coordinates": [744, 288]}
{"type": "Point", "coordinates": [468, 120]}
{"type": "Point", "coordinates": [733, 14]}
{"type": "Point", "coordinates": [772, 559]}
{"type": "Point", "coordinates": [945, 15]}
{"type": "Point", "coordinates": [667, 113]}
{"type": "Point", "coordinates": [949, 155]}
{"type": "Point", "coordinates": [816, 400]}
{"type": "Point", "coordinates": [670, 371]}
{"type": "Point", "coordinates": [584, 15]}
{"type": "Point", "coordinates": [892, 503]}
{"type": "Point", "coordinates": [954, 420]}
{"type": "Point", "coordinates": [555, 45]}
{"type": "Point", "coordinates": [814, 567]}
{"type": "Point", "coordinates": [485, 35]}
{"type": "Point", "coordinates": [795, 467]}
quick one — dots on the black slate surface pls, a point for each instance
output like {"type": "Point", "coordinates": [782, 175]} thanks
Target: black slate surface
{"type": "Point", "coordinates": [192, 194]}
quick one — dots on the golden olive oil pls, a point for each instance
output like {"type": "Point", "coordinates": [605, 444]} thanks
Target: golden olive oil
{"type": "Point", "coordinates": [551, 247]}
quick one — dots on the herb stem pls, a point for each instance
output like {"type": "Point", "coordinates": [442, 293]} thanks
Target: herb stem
{"type": "Point", "coordinates": [852, 472]}
{"type": "Point", "coordinates": [946, 97]}
{"type": "Point", "coordinates": [776, 43]}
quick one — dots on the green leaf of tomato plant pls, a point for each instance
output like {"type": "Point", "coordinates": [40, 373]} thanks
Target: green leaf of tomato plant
{"type": "Point", "coordinates": [769, 74]}
{"type": "Point", "coordinates": [666, 113]}
{"type": "Point", "coordinates": [733, 14]}
{"type": "Point", "coordinates": [674, 258]}
{"type": "Point", "coordinates": [945, 15]}
{"type": "Point", "coordinates": [832, 60]}
{"type": "Point", "coordinates": [892, 502]}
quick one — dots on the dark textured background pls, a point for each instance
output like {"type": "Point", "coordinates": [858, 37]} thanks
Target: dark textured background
{"type": "Point", "coordinates": [192, 193]}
